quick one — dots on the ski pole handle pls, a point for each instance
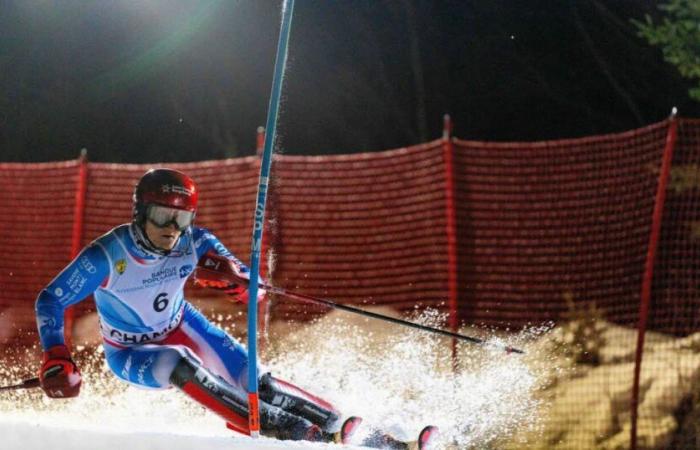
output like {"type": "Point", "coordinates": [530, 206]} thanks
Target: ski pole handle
{"type": "Point", "coordinates": [31, 383]}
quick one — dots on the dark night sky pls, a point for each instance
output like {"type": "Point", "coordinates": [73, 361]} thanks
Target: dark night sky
{"type": "Point", "coordinates": [176, 80]}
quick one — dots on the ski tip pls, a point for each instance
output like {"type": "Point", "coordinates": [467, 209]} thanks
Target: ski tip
{"type": "Point", "coordinates": [510, 350]}
{"type": "Point", "coordinates": [427, 437]}
{"type": "Point", "coordinates": [348, 429]}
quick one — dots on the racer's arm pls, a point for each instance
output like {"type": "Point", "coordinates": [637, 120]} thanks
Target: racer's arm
{"type": "Point", "coordinates": [78, 280]}
{"type": "Point", "coordinates": [233, 277]}
{"type": "Point", "coordinates": [205, 242]}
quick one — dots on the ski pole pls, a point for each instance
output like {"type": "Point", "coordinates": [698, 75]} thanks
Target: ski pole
{"type": "Point", "coordinates": [31, 383]}
{"type": "Point", "coordinates": [362, 312]}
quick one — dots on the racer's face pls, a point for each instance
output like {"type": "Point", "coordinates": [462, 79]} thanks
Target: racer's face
{"type": "Point", "coordinates": [165, 237]}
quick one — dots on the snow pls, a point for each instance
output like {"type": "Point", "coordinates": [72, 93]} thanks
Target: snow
{"type": "Point", "coordinates": [396, 378]}
{"type": "Point", "coordinates": [37, 435]}
{"type": "Point", "coordinates": [110, 415]}
{"type": "Point", "coordinates": [23, 435]}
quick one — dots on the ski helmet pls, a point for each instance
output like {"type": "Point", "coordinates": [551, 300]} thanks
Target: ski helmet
{"type": "Point", "coordinates": [161, 193]}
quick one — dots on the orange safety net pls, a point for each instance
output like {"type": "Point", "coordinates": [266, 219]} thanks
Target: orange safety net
{"type": "Point", "coordinates": [362, 229]}
{"type": "Point", "coordinates": [37, 204]}
{"type": "Point", "coordinates": [537, 224]}
{"type": "Point", "coordinates": [675, 306]}
{"type": "Point", "coordinates": [540, 223]}
{"type": "Point", "coordinates": [540, 227]}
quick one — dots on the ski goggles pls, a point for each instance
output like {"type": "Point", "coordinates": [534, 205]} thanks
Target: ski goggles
{"type": "Point", "coordinates": [162, 216]}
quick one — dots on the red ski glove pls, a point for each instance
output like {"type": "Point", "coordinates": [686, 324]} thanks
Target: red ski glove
{"type": "Point", "coordinates": [218, 272]}
{"type": "Point", "coordinates": [59, 376]}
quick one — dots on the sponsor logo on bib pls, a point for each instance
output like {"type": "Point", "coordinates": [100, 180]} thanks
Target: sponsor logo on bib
{"type": "Point", "coordinates": [185, 270]}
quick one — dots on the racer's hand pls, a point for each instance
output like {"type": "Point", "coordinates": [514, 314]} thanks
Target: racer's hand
{"type": "Point", "coordinates": [59, 375]}
{"type": "Point", "coordinates": [218, 272]}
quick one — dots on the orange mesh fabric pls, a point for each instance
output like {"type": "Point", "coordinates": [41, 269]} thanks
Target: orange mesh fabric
{"type": "Point", "coordinates": [37, 204]}
{"type": "Point", "coordinates": [542, 222]}
{"type": "Point", "coordinates": [536, 223]}
{"type": "Point", "coordinates": [675, 306]}
{"type": "Point", "coordinates": [362, 229]}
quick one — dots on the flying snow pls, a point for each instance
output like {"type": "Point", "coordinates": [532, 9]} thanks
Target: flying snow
{"type": "Point", "coordinates": [398, 379]}
{"type": "Point", "coordinates": [401, 379]}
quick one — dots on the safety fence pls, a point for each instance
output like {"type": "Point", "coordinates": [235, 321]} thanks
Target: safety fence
{"type": "Point", "coordinates": [503, 234]}
{"type": "Point", "coordinates": [542, 222]}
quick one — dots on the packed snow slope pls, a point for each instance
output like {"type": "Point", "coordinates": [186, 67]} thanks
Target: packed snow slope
{"type": "Point", "coordinates": [23, 435]}
{"type": "Point", "coordinates": [396, 378]}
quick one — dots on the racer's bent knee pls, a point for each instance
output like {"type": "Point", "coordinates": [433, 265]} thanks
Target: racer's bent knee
{"type": "Point", "coordinates": [148, 366]}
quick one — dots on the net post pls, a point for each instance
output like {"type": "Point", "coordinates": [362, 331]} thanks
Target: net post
{"type": "Point", "coordinates": [451, 232]}
{"type": "Point", "coordinates": [77, 234]}
{"type": "Point", "coordinates": [647, 279]}
{"type": "Point", "coordinates": [259, 217]}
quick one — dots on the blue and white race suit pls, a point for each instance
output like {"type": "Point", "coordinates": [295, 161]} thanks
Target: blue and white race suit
{"type": "Point", "coordinates": [146, 323]}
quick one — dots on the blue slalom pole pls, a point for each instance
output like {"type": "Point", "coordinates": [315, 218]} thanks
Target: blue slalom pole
{"type": "Point", "coordinates": [259, 218]}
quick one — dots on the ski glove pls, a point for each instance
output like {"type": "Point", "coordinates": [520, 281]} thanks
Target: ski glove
{"type": "Point", "coordinates": [218, 272]}
{"type": "Point", "coordinates": [59, 376]}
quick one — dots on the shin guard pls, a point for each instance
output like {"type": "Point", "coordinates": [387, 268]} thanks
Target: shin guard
{"type": "Point", "coordinates": [292, 399]}
{"type": "Point", "coordinates": [212, 392]}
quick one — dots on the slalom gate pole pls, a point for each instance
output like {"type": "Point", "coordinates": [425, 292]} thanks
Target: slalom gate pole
{"type": "Point", "coordinates": [259, 217]}
{"type": "Point", "coordinates": [332, 304]}
{"type": "Point", "coordinates": [31, 383]}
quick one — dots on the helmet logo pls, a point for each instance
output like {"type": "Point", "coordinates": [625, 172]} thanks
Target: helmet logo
{"type": "Point", "coordinates": [176, 189]}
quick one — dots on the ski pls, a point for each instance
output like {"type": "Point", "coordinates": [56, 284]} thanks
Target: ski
{"type": "Point", "coordinates": [384, 441]}
{"type": "Point", "coordinates": [427, 438]}
{"type": "Point", "coordinates": [346, 432]}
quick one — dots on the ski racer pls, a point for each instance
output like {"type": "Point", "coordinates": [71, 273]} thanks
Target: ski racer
{"type": "Point", "coordinates": [152, 336]}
